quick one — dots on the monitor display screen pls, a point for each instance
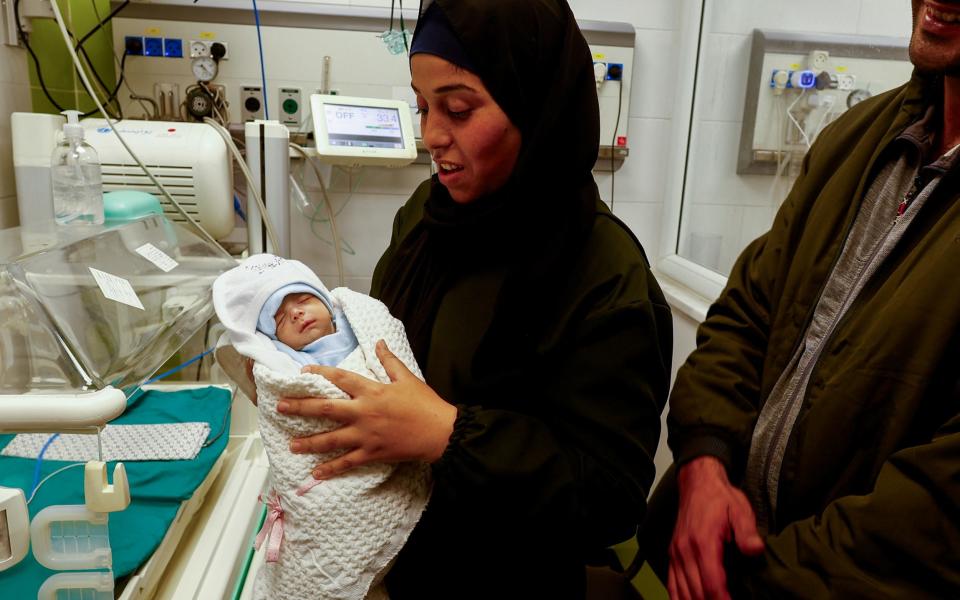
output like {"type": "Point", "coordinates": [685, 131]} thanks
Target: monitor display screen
{"type": "Point", "coordinates": [363, 126]}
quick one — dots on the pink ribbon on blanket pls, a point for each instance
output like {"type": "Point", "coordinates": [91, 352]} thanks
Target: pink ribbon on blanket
{"type": "Point", "coordinates": [272, 527]}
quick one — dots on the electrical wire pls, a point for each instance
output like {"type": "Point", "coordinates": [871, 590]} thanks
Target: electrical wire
{"type": "Point", "coordinates": [796, 123]}
{"type": "Point", "coordinates": [120, 63]}
{"type": "Point", "coordinates": [338, 253]}
{"type": "Point", "coordinates": [86, 82]}
{"type": "Point", "coordinates": [33, 56]}
{"type": "Point", "coordinates": [251, 184]}
{"type": "Point", "coordinates": [45, 479]}
{"type": "Point", "coordinates": [111, 96]}
{"type": "Point", "coordinates": [403, 30]}
{"type": "Point", "coordinates": [103, 22]}
{"type": "Point", "coordinates": [613, 141]}
{"type": "Point", "coordinates": [263, 71]}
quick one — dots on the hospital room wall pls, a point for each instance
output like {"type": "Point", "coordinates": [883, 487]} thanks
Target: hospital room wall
{"type": "Point", "coordinates": [639, 185]}
{"type": "Point", "coordinates": [20, 89]}
{"type": "Point", "coordinates": [14, 97]}
{"type": "Point", "coordinates": [719, 202]}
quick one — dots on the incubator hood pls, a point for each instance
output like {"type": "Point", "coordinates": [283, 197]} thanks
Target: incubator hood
{"type": "Point", "coordinates": [88, 313]}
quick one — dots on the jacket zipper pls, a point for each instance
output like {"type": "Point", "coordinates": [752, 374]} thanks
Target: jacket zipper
{"type": "Point", "coordinates": [908, 198]}
{"type": "Point", "coordinates": [781, 421]}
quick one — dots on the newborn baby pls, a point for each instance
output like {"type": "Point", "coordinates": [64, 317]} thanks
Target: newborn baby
{"type": "Point", "coordinates": [304, 324]}
{"type": "Point", "coordinates": [324, 539]}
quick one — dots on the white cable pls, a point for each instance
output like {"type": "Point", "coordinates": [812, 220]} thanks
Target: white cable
{"type": "Point", "coordinates": [803, 133]}
{"type": "Point", "coordinates": [251, 184]}
{"type": "Point", "coordinates": [828, 110]}
{"type": "Point", "coordinates": [44, 480]}
{"type": "Point", "coordinates": [781, 163]}
{"type": "Point", "coordinates": [338, 252]}
{"type": "Point", "coordinates": [86, 84]}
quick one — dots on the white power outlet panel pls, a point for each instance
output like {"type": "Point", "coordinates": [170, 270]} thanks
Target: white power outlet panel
{"type": "Point", "coordinates": [798, 84]}
{"type": "Point", "coordinates": [775, 132]}
{"type": "Point", "coordinates": [289, 105]}
{"type": "Point", "coordinates": [251, 103]}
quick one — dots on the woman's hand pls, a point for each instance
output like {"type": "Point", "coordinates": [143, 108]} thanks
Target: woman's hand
{"type": "Point", "coordinates": [401, 421]}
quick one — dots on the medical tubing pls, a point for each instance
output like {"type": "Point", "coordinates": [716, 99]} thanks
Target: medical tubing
{"type": "Point", "coordinates": [263, 72]}
{"type": "Point", "coordinates": [613, 141]}
{"type": "Point", "coordinates": [806, 139]}
{"type": "Point", "coordinates": [251, 185]}
{"type": "Point", "coordinates": [177, 368]}
{"type": "Point", "coordinates": [36, 467]}
{"type": "Point", "coordinates": [45, 479]}
{"type": "Point", "coordinates": [123, 142]}
{"type": "Point", "coordinates": [338, 253]}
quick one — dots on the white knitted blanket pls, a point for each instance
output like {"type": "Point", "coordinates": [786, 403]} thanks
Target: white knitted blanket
{"type": "Point", "coordinates": [341, 536]}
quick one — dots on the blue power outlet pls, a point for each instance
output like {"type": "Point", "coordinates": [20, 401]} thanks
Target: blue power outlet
{"type": "Point", "coordinates": [153, 46]}
{"type": "Point", "coordinates": [173, 48]}
{"type": "Point", "coordinates": [614, 72]}
{"type": "Point", "coordinates": [133, 45]}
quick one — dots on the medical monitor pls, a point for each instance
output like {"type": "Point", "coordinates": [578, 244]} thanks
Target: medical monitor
{"type": "Point", "coordinates": [363, 131]}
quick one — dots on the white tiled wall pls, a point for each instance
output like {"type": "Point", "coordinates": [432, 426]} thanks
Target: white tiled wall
{"type": "Point", "coordinates": [366, 219]}
{"type": "Point", "coordinates": [640, 184]}
{"type": "Point", "coordinates": [14, 97]}
{"type": "Point", "coordinates": [724, 211]}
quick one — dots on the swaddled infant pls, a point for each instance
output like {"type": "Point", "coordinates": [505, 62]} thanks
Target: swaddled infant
{"type": "Point", "coordinates": [332, 538]}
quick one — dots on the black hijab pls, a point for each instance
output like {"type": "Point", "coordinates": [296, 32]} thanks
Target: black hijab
{"type": "Point", "coordinates": [532, 57]}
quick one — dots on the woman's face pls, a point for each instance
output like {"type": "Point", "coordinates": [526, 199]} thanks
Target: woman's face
{"type": "Point", "coordinates": [470, 138]}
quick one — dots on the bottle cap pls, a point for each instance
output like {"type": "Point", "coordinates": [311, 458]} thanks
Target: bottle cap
{"type": "Point", "coordinates": [72, 128]}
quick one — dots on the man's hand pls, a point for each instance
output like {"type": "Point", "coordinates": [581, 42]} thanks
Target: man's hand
{"type": "Point", "coordinates": [712, 512]}
{"type": "Point", "coordinates": [401, 421]}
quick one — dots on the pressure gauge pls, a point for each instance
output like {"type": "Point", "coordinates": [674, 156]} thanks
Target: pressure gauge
{"type": "Point", "coordinates": [204, 69]}
{"type": "Point", "coordinates": [857, 96]}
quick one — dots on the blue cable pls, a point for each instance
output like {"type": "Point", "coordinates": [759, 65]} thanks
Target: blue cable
{"type": "Point", "coordinates": [36, 468]}
{"type": "Point", "coordinates": [43, 450]}
{"type": "Point", "coordinates": [178, 368]}
{"type": "Point", "coordinates": [239, 209]}
{"type": "Point", "coordinates": [263, 73]}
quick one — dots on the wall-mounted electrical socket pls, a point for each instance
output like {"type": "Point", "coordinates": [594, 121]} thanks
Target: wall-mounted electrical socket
{"type": "Point", "coordinates": [290, 106]}
{"type": "Point", "coordinates": [817, 60]}
{"type": "Point", "coordinates": [846, 82]}
{"type": "Point", "coordinates": [251, 103]}
{"type": "Point", "coordinates": [203, 48]}
{"type": "Point", "coordinates": [614, 72]}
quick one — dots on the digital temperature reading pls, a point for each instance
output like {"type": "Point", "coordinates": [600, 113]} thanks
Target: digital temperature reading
{"type": "Point", "coordinates": [363, 126]}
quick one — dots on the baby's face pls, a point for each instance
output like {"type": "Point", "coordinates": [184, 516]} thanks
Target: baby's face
{"type": "Point", "coordinates": [302, 318]}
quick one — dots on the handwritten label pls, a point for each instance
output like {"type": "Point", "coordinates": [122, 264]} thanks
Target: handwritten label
{"type": "Point", "coordinates": [158, 257]}
{"type": "Point", "coordinates": [116, 288]}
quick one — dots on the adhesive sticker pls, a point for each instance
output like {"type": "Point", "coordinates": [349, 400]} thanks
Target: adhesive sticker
{"type": "Point", "coordinates": [116, 288]}
{"type": "Point", "coordinates": [158, 257]}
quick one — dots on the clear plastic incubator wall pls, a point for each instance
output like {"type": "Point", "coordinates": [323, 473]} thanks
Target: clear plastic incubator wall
{"type": "Point", "coordinates": [132, 508]}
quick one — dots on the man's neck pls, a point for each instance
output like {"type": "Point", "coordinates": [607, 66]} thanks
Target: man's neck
{"type": "Point", "coordinates": [950, 134]}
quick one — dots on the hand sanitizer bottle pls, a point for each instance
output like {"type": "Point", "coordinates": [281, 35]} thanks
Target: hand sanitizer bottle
{"type": "Point", "coordinates": [75, 172]}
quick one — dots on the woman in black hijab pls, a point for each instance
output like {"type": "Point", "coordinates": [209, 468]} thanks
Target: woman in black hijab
{"type": "Point", "coordinates": [543, 337]}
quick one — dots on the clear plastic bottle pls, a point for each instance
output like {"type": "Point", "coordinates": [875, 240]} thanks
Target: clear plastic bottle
{"type": "Point", "coordinates": [75, 172]}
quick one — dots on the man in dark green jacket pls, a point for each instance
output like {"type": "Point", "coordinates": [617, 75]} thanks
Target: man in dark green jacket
{"type": "Point", "coordinates": [816, 428]}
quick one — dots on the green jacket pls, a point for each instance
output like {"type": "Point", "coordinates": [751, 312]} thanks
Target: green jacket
{"type": "Point", "coordinates": [558, 458]}
{"type": "Point", "coordinates": [869, 496]}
